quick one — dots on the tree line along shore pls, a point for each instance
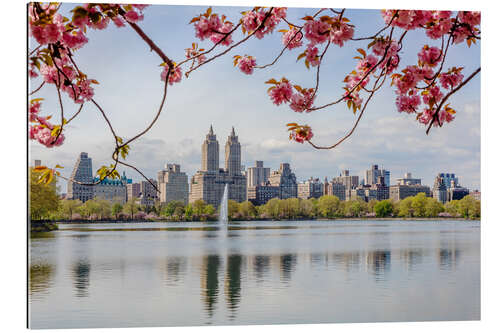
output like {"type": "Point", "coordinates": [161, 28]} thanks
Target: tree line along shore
{"type": "Point", "coordinates": [46, 207]}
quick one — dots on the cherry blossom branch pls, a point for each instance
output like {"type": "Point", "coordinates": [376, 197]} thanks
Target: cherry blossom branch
{"type": "Point", "coordinates": [291, 40]}
{"type": "Point", "coordinates": [268, 14]}
{"type": "Point", "coordinates": [148, 41]}
{"type": "Point", "coordinates": [156, 116]}
{"type": "Point", "coordinates": [436, 113]}
{"type": "Point", "coordinates": [213, 47]}
{"type": "Point", "coordinates": [360, 81]}
{"type": "Point", "coordinates": [76, 114]}
{"type": "Point", "coordinates": [318, 68]}
{"type": "Point", "coordinates": [37, 89]}
{"type": "Point", "coordinates": [345, 137]}
{"type": "Point", "coordinates": [380, 31]}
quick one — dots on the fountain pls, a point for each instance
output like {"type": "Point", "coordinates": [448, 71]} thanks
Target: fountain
{"type": "Point", "coordinates": [223, 208]}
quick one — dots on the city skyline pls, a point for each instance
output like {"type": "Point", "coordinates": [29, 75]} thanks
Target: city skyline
{"type": "Point", "coordinates": [385, 137]}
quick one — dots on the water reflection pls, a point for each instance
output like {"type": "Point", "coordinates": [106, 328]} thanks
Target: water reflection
{"type": "Point", "coordinates": [379, 263]}
{"type": "Point", "coordinates": [40, 278]}
{"type": "Point", "coordinates": [175, 269]}
{"type": "Point", "coordinates": [81, 276]}
{"type": "Point", "coordinates": [250, 275]}
{"type": "Point", "coordinates": [287, 266]}
{"type": "Point", "coordinates": [261, 264]}
{"type": "Point", "coordinates": [233, 283]}
{"type": "Point", "coordinates": [210, 282]}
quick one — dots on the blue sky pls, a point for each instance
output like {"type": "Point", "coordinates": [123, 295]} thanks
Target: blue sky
{"type": "Point", "coordinates": [218, 94]}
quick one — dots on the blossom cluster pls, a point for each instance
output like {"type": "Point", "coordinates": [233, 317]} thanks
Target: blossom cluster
{"type": "Point", "coordinates": [465, 26]}
{"type": "Point", "coordinates": [246, 64]}
{"type": "Point", "coordinates": [282, 92]}
{"type": "Point", "coordinates": [175, 75]}
{"type": "Point", "coordinates": [210, 26]}
{"type": "Point", "coordinates": [261, 21]}
{"type": "Point", "coordinates": [300, 133]}
{"type": "Point", "coordinates": [292, 38]}
{"type": "Point", "coordinates": [410, 96]}
{"type": "Point", "coordinates": [42, 130]}
{"type": "Point", "coordinates": [335, 29]}
{"type": "Point", "coordinates": [58, 37]}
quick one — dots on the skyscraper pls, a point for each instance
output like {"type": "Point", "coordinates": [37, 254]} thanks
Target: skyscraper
{"type": "Point", "coordinates": [233, 155]}
{"type": "Point", "coordinates": [209, 182]}
{"type": "Point", "coordinates": [210, 152]}
{"type": "Point", "coordinates": [82, 173]}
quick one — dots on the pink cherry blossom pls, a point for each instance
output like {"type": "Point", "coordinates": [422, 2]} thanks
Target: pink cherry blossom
{"type": "Point", "coordinates": [282, 92]}
{"type": "Point", "coordinates": [341, 34]}
{"type": "Point", "coordinates": [304, 133]}
{"type": "Point", "coordinates": [292, 38]}
{"type": "Point", "coordinates": [451, 79]}
{"type": "Point", "coordinates": [316, 31]}
{"type": "Point", "coordinates": [434, 95]}
{"type": "Point", "coordinates": [222, 34]}
{"type": "Point", "coordinates": [312, 55]}
{"type": "Point", "coordinates": [366, 64]}
{"type": "Point", "coordinates": [470, 18]}
{"type": "Point", "coordinates": [408, 103]}
{"type": "Point", "coordinates": [133, 16]}
{"type": "Point", "coordinates": [74, 39]}
{"type": "Point", "coordinates": [302, 101]}
{"type": "Point", "coordinates": [246, 64]}
{"type": "Point", "coordinates": [174, 77]}
{"type": "Point", "coordinates": [118, 21]}
{"type": "Point", "coordinates": [430, 56]}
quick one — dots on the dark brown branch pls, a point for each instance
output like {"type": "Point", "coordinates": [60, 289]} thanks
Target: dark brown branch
{"type": "Point", "coordinates": [345, 137]}
{"type": "Point", "coordinates": [436, 113]}
{"type": "Point", "coordinates": [37, 89]}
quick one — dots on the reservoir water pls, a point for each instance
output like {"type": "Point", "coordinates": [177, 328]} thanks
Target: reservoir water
{"type": "Point", "coordinates": [176, 274]}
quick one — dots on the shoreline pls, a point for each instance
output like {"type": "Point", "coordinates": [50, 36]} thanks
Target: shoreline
{"type": "Point", "coordinates": [437, 219]}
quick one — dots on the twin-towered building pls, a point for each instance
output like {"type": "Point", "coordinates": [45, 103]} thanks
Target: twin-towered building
{"type": "Point", "coordinates": [209, 182]}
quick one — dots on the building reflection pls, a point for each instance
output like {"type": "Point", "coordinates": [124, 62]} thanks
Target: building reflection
{"type": "Point", "coordinates": [174, 269]}
{"type": "Point", "coordinates": [411, 257]}
{"type": "Point", "coordinates": [261, 265]}
{"type": "Point", "coordinates": [233, 282]}
{"type": "Point", "coordinates": [448, 253]}
{"type": "Point", "coordinates": [210, 282]}
{"type": "Point", "coordinates": [287, 266]}
{"type": "Point", "coordinates": [81, 276]}
{"type": "Point", "coordinates": [379, 262]}
{"type": "Point", "coordinates": [40, 278]}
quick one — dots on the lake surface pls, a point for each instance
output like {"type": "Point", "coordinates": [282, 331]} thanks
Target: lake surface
{"type": "Point", "coordinates": [176, 274]}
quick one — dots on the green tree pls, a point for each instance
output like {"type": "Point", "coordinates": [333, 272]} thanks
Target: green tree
{"type": "Point", "coordinates": [433, 207]}
{"type": "Point", "coordinates": [169, 209]}
{"type": "Point", "coordinates": [383, 208]}
{"type": "Point", "coordinates": [370, 206]}
{"type": "Point", "coordinates": [43, 198]}
{"type": "Point", "coordinates": [271, 208]}
{"type": "Point", "coordinates": [131, 207]}
{"type": "Point", "coordinates": [247, 209]}
{"type": "Point", "coordinates": [209, 210]}
{"type": "Point", "coordinates": [328, 205]}
{"type": "Point", "coordinates": [418, 204]}
{"type": "Point", "coordinates": [467, 207]}
{"type": "Point", "coordinates": [116, 209]}
{"type": "Point", "coordinates": [452, 207]}
{"type": "Point", "coordinates": [188, 213]}
{"type": "Point", "coordinates": [406, 207]}
{"type": "Point", "coordinates": [355, 208]}
{"type": "Point", "coordinates": [199, 207]}
{"type": "Point", "coordinates": [232, 208]}
{"type": "Point", "coordinates": [69, 207]}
